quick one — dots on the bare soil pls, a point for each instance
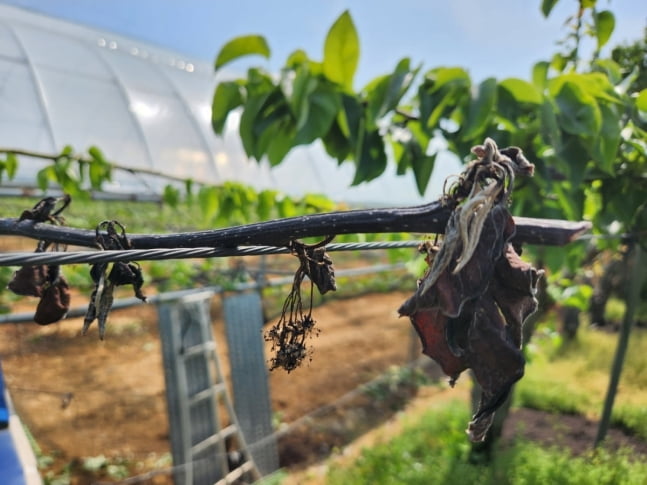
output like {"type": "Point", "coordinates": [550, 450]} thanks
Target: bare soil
{"type": "Point", "coordinates": [81, 397]}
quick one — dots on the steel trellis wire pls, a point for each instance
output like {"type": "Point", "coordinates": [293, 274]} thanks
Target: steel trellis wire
{"type": "Point", "coordinates": [92, 257]}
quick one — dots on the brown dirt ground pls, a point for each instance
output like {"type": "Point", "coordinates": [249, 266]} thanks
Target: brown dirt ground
{"type": "Point", "coordinates": [81, 397]}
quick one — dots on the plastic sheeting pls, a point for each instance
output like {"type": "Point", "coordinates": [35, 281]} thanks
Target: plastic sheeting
{"type": "Point", "coordinates": [145, 107]}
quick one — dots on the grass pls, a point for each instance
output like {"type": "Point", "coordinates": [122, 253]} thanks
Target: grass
{"type": "Point", "coordinates": [561, 377]}
{"type": "Point", "coordinates": [141, 217]}
{"type": "Point", "coordinates": [572, 377]}
{"type": "Point", "coordinates": [433, 449]}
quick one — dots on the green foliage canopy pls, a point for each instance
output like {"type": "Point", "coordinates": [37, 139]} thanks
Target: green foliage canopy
{"type": "Point", "coordinates": [582, 123]}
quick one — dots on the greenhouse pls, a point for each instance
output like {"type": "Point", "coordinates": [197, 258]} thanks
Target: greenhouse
{"type": "Point", "coordinates": [63, 84]}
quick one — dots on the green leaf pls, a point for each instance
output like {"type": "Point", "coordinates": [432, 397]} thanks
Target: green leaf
{"type": "Point", "coordinates": [443, 90]}
{"type": "Point", "coordinates": [481, 109]}
{"type": "Point", "coordinates": [281, 142]}
{"type": "Point", "coordinates": [412, 153]}
{"type": "Point", "coordinates": [44, 176]}
{"type": "Point", "coordinates": [522, 91]}
{"type": "Point", "coordinates": [540, 74]}
{"type": "Point", "coordinates": [286, 208]}
{"type": "Point", "coordinates": [385, 92]}
{"type": "Point", "coordinates": [336, 143]}
{"type": "Point", "coordinates": [579, 113]}
{"type": "Point", "coordinates": [227, 97]}
{"type": "Point", "coordinates": [641, 101]}
{"type": "Point", "coordinates": [610, 68]}
{"type": "Point", "coordinates": [273, 120]}
{"type": "Point", "coordinates": [573, 156]}
{"type": "Point", "coordinates": [547, 6]}
{"type": "Point", "coordinates": [297, 58]}
{"type": "Point", "coordinates": [341, 51]}
{"type": "Point", "coordinates": [577, 296]}
{"type": "Point", "coordinates": [422, 169]}
{"type": "Point", "coordinates": [558, 62]}
{"type": "Point", "coordinates": [324, 103]}
{"type": "Point", "coordinates": [318, 202]}
{"type": "Point", "coordinates": [265, 204]}
{"type": "Point", "coordinates": [595, 84]}
{"type": "Point", "coordinates": [97, 155]}
{"type": "Point", "coordinates": [251, 110]}
{"type": "Point", "coordinates": [549, 127]}
{"type": "Point", "coordinates": [570, 201]}
{"type": "Point", "coordinates": [98, 170]}
{"type": "Point", "coordinates": [11, 165]}
{"type": "Point", "coordinates": [96, 174]}
{"type": "Point", "coordinates": [605, 22]}
{"type": "Point", "coordinates": [374, 93]}
{"type": "Point", "coordinates": [298, 85]}
{"type": "Point", "coordinates": [244, 45]}
{"type": "Point", "coordinates": [209, 200]}
{"type": "Point", "coordinates": [605, 145]}
{"type": "Point", "coordinates": [171, 196]}
{"type": "Point", "coordinates": [371, 158]}
{"type": "Point", "coordinates": [350, 117]}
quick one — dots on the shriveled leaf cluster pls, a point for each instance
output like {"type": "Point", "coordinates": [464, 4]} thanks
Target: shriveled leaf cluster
{"type": "Point", "coordinates": [470, 306]}
{"type": "Point", "coordinates": [110, 235]}
{"type": "Point", "coordinates": [45, 282]}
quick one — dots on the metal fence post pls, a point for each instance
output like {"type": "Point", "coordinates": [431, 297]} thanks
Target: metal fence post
{"type": "Point", "coordinates": [196, 395]}
{"type": "Point", "coordinates": [244, 326]}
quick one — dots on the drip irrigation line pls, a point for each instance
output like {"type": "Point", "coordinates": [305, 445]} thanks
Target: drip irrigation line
{"type": "Point", "coordinates": [92, 257]}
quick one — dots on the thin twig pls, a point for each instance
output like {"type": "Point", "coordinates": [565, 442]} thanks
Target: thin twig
{"type": "Point", "coordinates": [88, 160]}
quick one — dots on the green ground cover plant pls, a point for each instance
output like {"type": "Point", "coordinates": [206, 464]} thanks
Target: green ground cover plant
{"type": "Point", "coordinates": [433, 449]}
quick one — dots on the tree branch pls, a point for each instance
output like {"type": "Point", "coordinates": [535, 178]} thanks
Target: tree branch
{"type": "Point", "coordinates": [428, 219]}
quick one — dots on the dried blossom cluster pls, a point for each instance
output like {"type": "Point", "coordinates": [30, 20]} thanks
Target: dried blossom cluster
{"type": "Point", "coordinates": [47, 282]}
{"type": "Point", "coordinates": [289, 334]}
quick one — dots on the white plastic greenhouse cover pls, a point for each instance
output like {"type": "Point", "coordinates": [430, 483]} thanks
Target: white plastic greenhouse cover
{"type": "Point", "coordinates": [146, 107]}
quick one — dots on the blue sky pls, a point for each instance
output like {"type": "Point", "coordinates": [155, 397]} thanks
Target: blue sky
{"type": "Point", "coordinates": [490, 37]}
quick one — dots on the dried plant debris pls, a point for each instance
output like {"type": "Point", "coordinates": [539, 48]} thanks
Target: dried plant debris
{"type": "Point", "coordinates": [110, 235]}
{"type": "Point", "coordinates": [470, 306]}
{"type": "Point", "coordinates": [46, 210]}
{"type": "Point", "coordinates": [289, 334]}
{"type": "Point", "coordinates": [29, 281]}
{"type": "Point", "coordinates": [45, 281]}
{"type": "Point", "coordinates": [55, 298]}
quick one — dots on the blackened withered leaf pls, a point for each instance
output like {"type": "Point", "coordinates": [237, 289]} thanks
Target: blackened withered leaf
{"type": "Point", "coordinates": [432, 327]}
{"type": "Point", "coordinates": [496, 361]}
{"type": "Point", "coordinates": [514, 288]}
{"type": "Point", "coordinates": [320, 270]}
{"type": "Point", "coordinates": [127, 273]}
{"type": "Point", "coordinates": [449, 291]}
{"type": "Point", "coordinates": [472, 318]}
{"type": "Point", "coordinates": [29, 280]}
{"type": "Point", "coordinates": [54, 302]}
{"type": "Point", "coordinates": [98, 270]}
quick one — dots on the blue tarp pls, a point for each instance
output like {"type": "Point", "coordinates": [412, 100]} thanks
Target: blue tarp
{"type": "Point", "coordinates": [11, 471]}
